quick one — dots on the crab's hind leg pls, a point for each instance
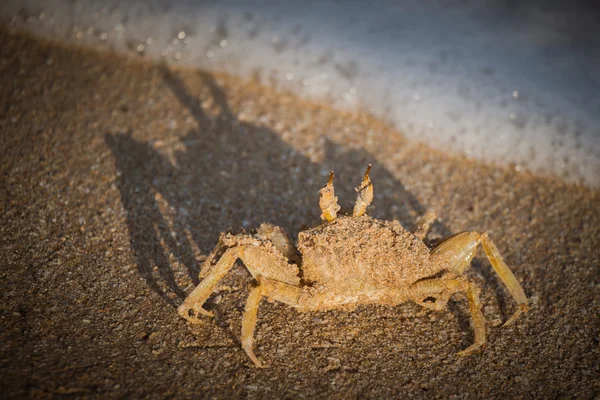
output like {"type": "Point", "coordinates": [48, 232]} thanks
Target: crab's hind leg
{"type": "Point", "coordinates": [513, 285]}
{"type": "Point", "coordinates": [275, 290]}
{"type": "Point", "coordinates": [435, 290]}
{"type": "Point", "coordinates": [459, 250]}
{"type": "Point", "coordinates": [477, 319]}
{"type": "Point", "coordinates": [442, 290]}
{"type": "Point", "coordinates": [196, 299]}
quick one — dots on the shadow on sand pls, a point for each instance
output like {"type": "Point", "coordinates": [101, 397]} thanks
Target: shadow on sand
{"type": "Point", "coordinates": [230, 174]}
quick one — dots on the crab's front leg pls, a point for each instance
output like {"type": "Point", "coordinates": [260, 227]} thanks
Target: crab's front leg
{"type": "Point", "coordinates": [267, 264]}
{"type": "Point", "coordinates": [195, 300]}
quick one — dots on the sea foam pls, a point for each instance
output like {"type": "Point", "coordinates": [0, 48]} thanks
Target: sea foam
{"type": "Point", "coordinates": [516, 85]}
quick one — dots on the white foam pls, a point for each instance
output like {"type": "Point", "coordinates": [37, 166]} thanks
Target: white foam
{"type": "Point", "coordinates": [509, 85]}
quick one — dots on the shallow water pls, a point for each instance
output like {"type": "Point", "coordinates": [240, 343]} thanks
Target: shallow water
{"type": "Point", "coordinates": [505, 83]}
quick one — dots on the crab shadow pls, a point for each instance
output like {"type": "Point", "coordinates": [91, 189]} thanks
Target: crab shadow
{"type": "Point", "coordinates": [231, 174]}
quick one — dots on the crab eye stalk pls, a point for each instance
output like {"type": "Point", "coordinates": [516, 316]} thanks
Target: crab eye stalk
{"type": "Point", "coordinates": [365, 194]}
{"type": "Point", "coordinates": [328, 201]}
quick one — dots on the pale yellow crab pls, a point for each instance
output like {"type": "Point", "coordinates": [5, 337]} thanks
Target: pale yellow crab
{"type": "Point", "coordinates": [348, 261]}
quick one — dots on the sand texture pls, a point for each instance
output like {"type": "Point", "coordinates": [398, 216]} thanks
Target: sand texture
{"type": "Point", "coordinates": [117, 176]}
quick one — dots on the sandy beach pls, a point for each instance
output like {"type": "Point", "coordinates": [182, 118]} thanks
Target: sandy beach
{"type": "Point", "coordinates": [117, 176]}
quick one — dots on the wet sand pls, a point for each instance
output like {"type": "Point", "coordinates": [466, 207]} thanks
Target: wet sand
{"type": "Point", "coordinates": [117, 177]}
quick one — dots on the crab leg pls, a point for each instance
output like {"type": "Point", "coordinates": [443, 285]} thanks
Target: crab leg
{"type": "Point", "coordinates": [422, 227]}
{"type": "Point", "coordinates": [196, 299]}
{"type": "Point", "coordinates": [206, 266]}
{"type": "Point", "coordinates": [249, 323]}
{"type": "Point", "coordinates": [365, 195]}
{"type": "Point", "coordinates": [477, 320]}
{"type": "Point", "coordinates": [506, 275]}
{"type": "Point", "coordinates": [442, 290]}
{"type": "Point", "coordinates": [279, 291]}
{"type": "Point", "coordinates": [460, 249]}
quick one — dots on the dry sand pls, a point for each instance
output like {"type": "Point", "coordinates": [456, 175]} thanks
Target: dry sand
{"type": "Point", "coordinates": [117, 177]}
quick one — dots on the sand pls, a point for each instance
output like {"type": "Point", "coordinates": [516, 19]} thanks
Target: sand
{"type": "Point", "coordinates": [117, 177]}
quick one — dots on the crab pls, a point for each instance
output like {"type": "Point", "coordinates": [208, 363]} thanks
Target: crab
{"type": "Point", "coordinates": [351, 260]}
